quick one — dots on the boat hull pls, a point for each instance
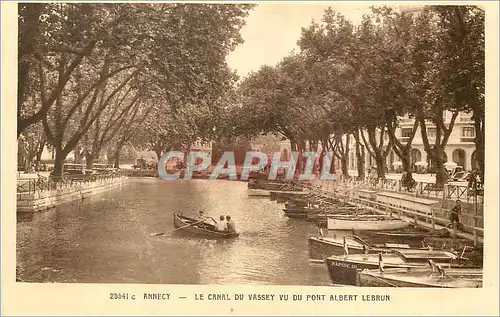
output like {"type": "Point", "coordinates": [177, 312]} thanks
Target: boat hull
{"type": "Point", "coordinates": [345, 272]}
{"type": "Point", "coordinates": [420, 277]}
{"type": "Point", "coordinates": [203, 229]}
{"type": "Point", "coordinates": [258, 193]}
{"type": "Point", "coordinates": [343, 269]}
{"type": "Point", "coordinates": [300, 212]}
{"type": "Point", "coordinates": [321, 248]}
{"type": "Point", "coordinates": [365, 224]}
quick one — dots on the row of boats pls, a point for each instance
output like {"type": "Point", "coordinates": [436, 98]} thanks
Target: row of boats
{"type": "Point", "coordinates": [363, 248]}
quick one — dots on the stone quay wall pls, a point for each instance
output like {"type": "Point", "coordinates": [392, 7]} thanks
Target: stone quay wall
{"type": "Point", "coordinates": [47, 199]}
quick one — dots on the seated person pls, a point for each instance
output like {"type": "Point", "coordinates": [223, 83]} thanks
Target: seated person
{"type": "Point", "coordinates": [222, 224]}
{"type": "Point", "coordinates": [230, 224]}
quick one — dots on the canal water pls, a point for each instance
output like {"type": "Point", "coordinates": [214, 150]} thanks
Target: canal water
{"type": "Point", "coordinates": [107, 239]}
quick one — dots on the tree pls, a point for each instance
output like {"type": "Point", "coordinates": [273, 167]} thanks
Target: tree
{"type": "Point", "coordinates": [461, 38]}
{"type": "Point", "coordinates": [54, 38]}
{"type": "Point", "coordinates": [351, 55]}
{"type": "Point", "coordinates": [105, 128]}
{"type": "Point", "coordinates": [180, 48]}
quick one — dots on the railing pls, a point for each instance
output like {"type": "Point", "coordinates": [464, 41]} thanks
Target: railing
{"type": "Point", "coordinates": [433, 219]}
{"type": "Point", "coordinates": [421, 189]}
{"type": "Point", "coordinates": [43, 183]}
{"type": "Point", "coordinates": [140, 172]}
{"type": "Point", "coordinates": [429, 190]}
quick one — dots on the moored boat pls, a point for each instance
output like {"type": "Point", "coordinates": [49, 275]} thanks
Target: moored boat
{"type": "Point", "coordinates": [365, 222]}
{"type": "Point", "coordinates": [258, 193]}
{"type": "Point", "coordinates": [343, 269]}
{"type": "Point", "coordinates": [323, 247]}
{"type": "Point", "coordinates": [431, 277]}
{"type": "Point", "coordinates": [301, 212]}
{"type": "Point", "coordinates": [321, 218]}
{"type": "Point", "coordinates": [200, 227]}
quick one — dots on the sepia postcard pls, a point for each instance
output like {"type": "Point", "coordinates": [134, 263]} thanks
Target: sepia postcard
{"type": "Point", "coordinates": [249, 158]}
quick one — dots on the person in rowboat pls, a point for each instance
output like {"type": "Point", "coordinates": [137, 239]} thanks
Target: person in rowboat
{"type": "Point", "coordinates": [230, 224]}
{"type": "Point", "coordinates": [222, 224]}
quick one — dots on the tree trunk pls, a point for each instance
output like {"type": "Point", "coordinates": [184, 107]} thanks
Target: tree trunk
{"type": "Point", "coordinates": [344, 163]}
{"type": "Point", "coordinates": [78, 155]}
{"type": "Point", "coordinates": [479, 141]}
{"type": "Point", "coordinates": [380, 160]}
{"type": "Point", "coordinates": [158, 153]}
{"type": "Point", "coordinates": [406, 159]}
{"type": "Point", "coordinates": [377, 151]}
{"type": "Point", "coordinates": [58, 160]}
{"type": "Point", "coordinates": [157, 148]}
{"type": "Point", "coordinates": [28, 167]}
{"type": "Point", "coordinates": [333, 170]}
{"type": "Point", "coordinates": [360, 157]}
{"type": "Point", "coordinates": [39, 152]}
{"type": "Point", "coordinates": [321, 157]}
{"type": "Point", "coordinates": [437, 158]}
{"type": "Point", "coordinates": [185, 160]}
{"type": "Point", "coordinates": [116, 155]}
{"type": "Point", "coordinates": [480, 159]}
{"type": "Point", "coordinates": [89, 159]}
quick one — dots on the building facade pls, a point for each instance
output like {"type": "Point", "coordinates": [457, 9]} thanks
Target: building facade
{"type": "Point", "coordinates": [459, 149]}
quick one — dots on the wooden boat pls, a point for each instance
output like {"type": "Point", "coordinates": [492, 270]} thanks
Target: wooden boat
{"type": "Point", "coordinates": [407, 234]}
{"type": "Point", "coordinates": [271, 185]}
{"type": "Point", "coordinates": [301, 212]}
{"type": "Point", "coordinates": [258, 193]}
{"type": "Point", "coordinates": [431, 277]}
{"type": "Point", "coordinates": [321, 218]}
{"type": "Point", "coordinates": [343, 269]}
{"type": "Point", "coordinates": [286, 194]}
{"type": "Point", "coordinates": [365, 222]}
{"type": "Point", "coordinates": [204, 229]}
{"type": "Point", "coordinates": [323, 247]}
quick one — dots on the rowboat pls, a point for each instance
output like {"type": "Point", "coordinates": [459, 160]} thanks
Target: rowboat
{"type": "Point", "coordinates": [196, 226]}
{"type": "Point", "coordinates": [258, 193]}
{"type": "Point", "coordinates": [286, 194]}
{"type": "Point", "coordinates": [301, 212]}
{"type": "Point", "coordinates": [406, 235]}
{"type": "Point", "coordinates": [321, 218]}
{"type": "Point", "coordinates": [323, 247]}
{"type": "Point", "coordinates": [432, 277]}
{"type": "Point", "coordinates": [365, 222]}
{"type": "Point", "coordinates": [344, 269]}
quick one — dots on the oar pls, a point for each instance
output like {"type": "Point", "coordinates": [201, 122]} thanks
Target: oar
{"type": "Point", "coordinates": [192, 224]}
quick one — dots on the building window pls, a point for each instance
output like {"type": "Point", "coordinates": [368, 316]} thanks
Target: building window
{"type": "Point", "coordinates": [431, 132]}
{"type": "Point", "coordinates": [468, 132]}
{"type": "Point", "coordinates": [406, 132]}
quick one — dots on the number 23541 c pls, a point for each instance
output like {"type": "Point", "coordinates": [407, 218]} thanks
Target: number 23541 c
{"type": "Point", "coordinates": [121, 296]}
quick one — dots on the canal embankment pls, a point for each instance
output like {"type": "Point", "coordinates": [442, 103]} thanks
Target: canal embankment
{"type": "Point", "coordinates": [40, 194]}
{"type": "Point", "coordinates": [424, 208]}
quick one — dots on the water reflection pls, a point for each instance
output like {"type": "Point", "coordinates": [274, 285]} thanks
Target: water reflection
{"type": "Point", "coordinates": [107, 239]}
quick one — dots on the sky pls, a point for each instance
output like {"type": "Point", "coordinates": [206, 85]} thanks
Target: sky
{"type": "Point", "coordinates": [273, 29]}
